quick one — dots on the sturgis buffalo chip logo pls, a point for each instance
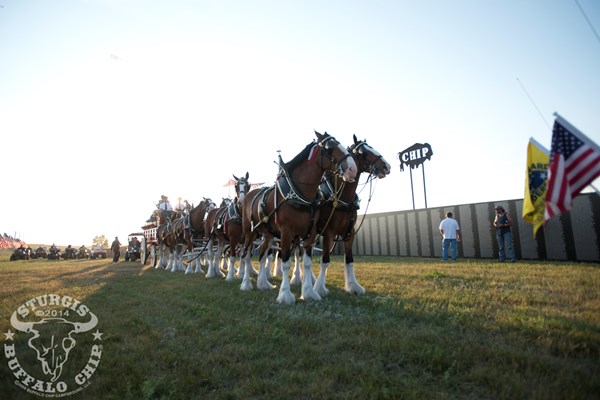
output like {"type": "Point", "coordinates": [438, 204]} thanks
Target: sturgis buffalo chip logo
{"type": "Point", "coordinates": [53, 346]}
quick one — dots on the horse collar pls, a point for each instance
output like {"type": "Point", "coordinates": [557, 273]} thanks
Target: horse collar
{"type": "Point", "coordinates": [292, 195]}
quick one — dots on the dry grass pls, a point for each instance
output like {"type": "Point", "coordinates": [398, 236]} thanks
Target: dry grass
{"type": "Point", "coordinates": [472, 329]}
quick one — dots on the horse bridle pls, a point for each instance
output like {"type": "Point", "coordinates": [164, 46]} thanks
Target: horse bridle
{"type": "Point", "coordinates": [357, 149]}
{"type": "Point", "coordinates": [325, 146]}
{"type": "Point", "coordinates": [241, 186]}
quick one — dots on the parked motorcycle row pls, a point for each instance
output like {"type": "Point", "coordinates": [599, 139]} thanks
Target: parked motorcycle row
{"type": "Point", "coordinates": [54, 253]}
{"type": "Point", "coordinates": [71, 253]}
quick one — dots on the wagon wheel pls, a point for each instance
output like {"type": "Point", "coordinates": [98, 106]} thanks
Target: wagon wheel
{"type": "Point", "coordinates": [143, 251]}
{"type": "Point", "coordinates": [153, 255]}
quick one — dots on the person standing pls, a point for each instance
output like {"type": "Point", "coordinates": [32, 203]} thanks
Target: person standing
{"type": "Point", "coordinates": [116, 249]}
{"type": "Point", "coordinates": [450, 231]}
{"type": "Point", "coordinates": [502, 223]}
{"type": "Point", "coordinates": [187, 206]}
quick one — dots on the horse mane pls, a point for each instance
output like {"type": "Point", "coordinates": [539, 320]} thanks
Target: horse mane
{"type": "Point", "coordinates": [300, 157]}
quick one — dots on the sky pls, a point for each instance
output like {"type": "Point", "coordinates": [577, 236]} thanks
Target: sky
{"type": "Point", "coordinates": [105, 105]}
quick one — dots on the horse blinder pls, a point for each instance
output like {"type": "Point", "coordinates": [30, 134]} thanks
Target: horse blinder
{"type": "Point", "coordinates": [329, 144]}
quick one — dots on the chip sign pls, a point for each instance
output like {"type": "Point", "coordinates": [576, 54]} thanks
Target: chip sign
{"type": "Point", "coordinates": [415, 155]}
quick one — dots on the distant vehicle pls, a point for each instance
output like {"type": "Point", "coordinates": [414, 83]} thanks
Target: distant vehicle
{"type": "Point", "coordinates": [19, 254]}
{"type": "Point", "coordinates": [133, 252]}
{"type": "Point", "coordinates": [70, 253]}
{"type": "Point", "coordinates": [40, 252]}
{"type": "Point", "coordinates": [83, 252]}
{"type": "Point", "coordinates": [54, 253]}
{"type": "Point", "coordinates": [98, 252]}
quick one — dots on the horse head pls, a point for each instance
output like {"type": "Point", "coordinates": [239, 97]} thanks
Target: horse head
{"type": "Point", "coordinates": [207, 204]}
{"type": "Point", "coordinates": [369, 159]}
{"type": "Point", "coordinates": [242, 186]}
{"type": "Point", "coordinates": [341, 161]}
{"type": "Point", "coordinates": [201, 209]}
{"type": "Point", "coordinates": [225, 202]}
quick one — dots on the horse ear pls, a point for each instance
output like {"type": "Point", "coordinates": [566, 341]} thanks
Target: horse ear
{"type": "Point", "coordinates": [235, 177]}
{"type": "Point", "coordinates": [247, 175]}
{"type": "Point", "coordinates": [355, 140]}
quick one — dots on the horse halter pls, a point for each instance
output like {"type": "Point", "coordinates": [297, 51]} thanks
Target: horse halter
{"type": "Point", "coordinates": [326, 146]}
{"type": "Point", "coordinates": [241, 187]}
{"type": "Point", "coordinates": [208, 204]}
{"type": "Point", "coordinates": [359, 150]}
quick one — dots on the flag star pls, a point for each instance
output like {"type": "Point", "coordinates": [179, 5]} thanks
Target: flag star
{"type": "Point", "coordinates": [9, 335]}
{"type": "Point", "coordinates": [97, 335]}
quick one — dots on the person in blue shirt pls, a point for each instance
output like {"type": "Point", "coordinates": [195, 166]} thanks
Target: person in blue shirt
{"type": "Point", "coordinates": [502, 223]}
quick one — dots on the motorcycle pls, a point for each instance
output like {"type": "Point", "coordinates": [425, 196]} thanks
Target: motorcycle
{"type": "Point", "coordinates": [19, 254]}
{"type": "Point", "coordinates": [54, 254]}
{"type": "Point", "coordinates": [70, 253]}
{"type": "Point", "coordinates": [83, 253]}
{"type": "Point", "coordinates": [132, 254]}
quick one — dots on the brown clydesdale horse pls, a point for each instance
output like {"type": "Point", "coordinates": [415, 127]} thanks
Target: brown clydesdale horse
{"type": "Point", "coordinates": [224, 225]}
{"type": "Point", "coordinates": [189, 230]}
{"type": "Point", "coordinates": [166, 240]}
{"type": "Point", "coordinates": [289, 210]}
{"type": "Point", "coordinates": [339, 212]}
{"type": "Point", "coordinates": [178, 234]}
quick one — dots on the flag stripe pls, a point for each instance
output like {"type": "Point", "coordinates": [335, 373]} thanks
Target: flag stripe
{"type": "Point", "coordinates": [587, 178]}
{"type": "Point", "coordinates": [582, 168]}
{"type": "Point", "coordinates": [574, 164]}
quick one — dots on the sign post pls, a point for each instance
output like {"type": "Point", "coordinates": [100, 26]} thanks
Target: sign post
{"type": "Point", "coordinates": [414, 156]}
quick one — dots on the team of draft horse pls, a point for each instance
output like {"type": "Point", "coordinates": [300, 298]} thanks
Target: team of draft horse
{"type": "Point", "coordinates": [314, 195]}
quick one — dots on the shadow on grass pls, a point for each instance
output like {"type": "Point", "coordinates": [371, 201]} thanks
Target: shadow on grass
{"type": "Point", "coordinates": [176, 336]}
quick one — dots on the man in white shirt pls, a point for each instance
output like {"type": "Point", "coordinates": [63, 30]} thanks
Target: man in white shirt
{"type": "Point", "coordinates": [164, 204]}
{"type": "Point", "coordinates": [180, 207]}
{"type": "Point", "coordinates": [165, 207]}
{"type": "Point", "coordinates": [450, 232]}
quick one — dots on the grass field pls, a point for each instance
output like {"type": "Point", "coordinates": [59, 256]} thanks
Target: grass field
{"type": "Point", "coordinates": [424, 330]}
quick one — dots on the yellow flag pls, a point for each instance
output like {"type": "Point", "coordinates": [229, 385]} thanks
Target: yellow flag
{"type": "Point", "coordinates": [536, 182]}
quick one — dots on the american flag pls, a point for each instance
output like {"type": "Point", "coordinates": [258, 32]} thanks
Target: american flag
{"type": "Point", "coordinates": [574, 164]}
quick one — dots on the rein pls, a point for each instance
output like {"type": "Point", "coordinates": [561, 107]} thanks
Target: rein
{"type": "Point", "coordinates": [337, 194]}
{"type": "Point", "coordinates": [371, 191]}
{"type": "Point", "coordinates": [370, 179]}
{"type": "Point", "coordinates": [199, 254]}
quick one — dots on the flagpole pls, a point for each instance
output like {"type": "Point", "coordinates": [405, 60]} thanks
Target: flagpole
{"type": "Point", "coordinates": [544, 149]}
{"type": "Point", "coordinates": [534, 105]}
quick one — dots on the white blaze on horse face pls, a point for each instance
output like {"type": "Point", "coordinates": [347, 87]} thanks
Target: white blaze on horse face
{"type": "Point", "coordinates": [388, 167]}
{"type": "Point", "coordinates": [351, 169]}
{"type": "Point", "coordinates": [242, 192]}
